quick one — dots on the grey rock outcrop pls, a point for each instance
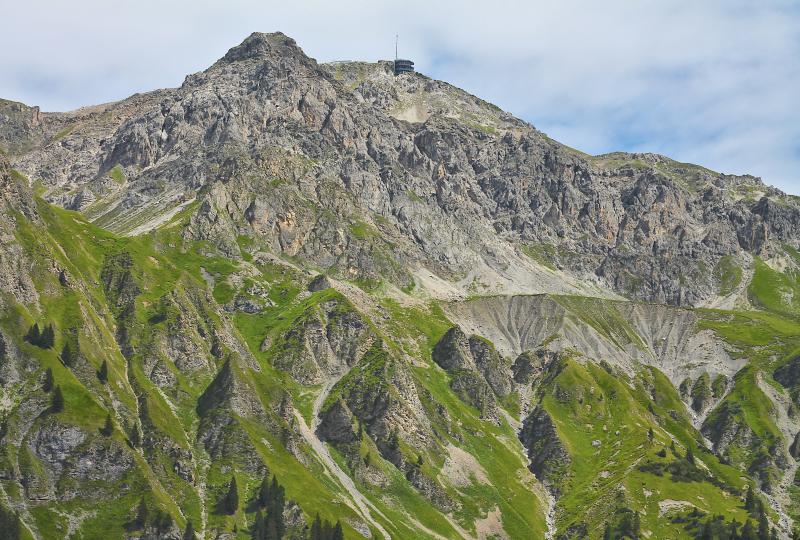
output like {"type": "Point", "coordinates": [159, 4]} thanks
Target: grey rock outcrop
{"type": "Point", "coordinates": [478, 371]}
{"type": "Point", "coordinates": [549, 459]}
{"type": "Point", "coordinates": [529, 365]}
{"type": "Point", "coordinates": [789, 373]}
{"type": "Point", "coordinates": [323, 342]}
{"type": "Point", "coordinates": [452, 351]}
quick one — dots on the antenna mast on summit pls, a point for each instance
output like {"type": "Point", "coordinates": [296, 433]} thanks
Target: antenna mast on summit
{"type": "Point", "coordinates": [401, 66]}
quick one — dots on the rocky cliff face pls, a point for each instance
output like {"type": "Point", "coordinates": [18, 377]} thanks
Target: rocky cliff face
{"type": "Point", "coordinates": [365, 173]}
{"type": "Point", "coordinates": [417, 314]}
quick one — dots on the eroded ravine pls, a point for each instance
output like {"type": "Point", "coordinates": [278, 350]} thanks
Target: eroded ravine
{"type": "Point", "coordinates": [362, 505]}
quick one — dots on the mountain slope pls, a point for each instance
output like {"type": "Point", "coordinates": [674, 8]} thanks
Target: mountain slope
{"type": "Point", "coordinates": [419, 315]}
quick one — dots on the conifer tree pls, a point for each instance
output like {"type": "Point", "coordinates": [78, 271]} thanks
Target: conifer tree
{"type": "Point", "coordinates": [733, 530]}
{"type": "Point", "coordinates": [750, 500]}
{"type": "Point", "coordinates": [67, 355]}
{"type": "Point", "coordinates": [163, 521]}
{"type": "Point", "coordinates": [257, 530]}
{"type": "Point", "coordinates": [650, 434]}
{"type": "Point", "coordinates": [57, 402]}
{"type": "Point", "coordinates": [33, 334]}
{"type": "Point", "coordinates": [690, 456]}
{"type": "Point", "coordinates": [230, 503]}
{"type": "Point", "coordinates": [47, 385]}
{"type": "Point", "coordinates": [338, 533]}
{"type": "Point", "coordinates": [135, 439]}
{"type": "Point", "coordinates": [607, 533]}
{"type": "Point", "coordinates": [706, 532]}
{"type": "Point", "coordinates": [188, 532]}
{"type": "Point", "coordinates": [102, 373]}
{"type": "Point", "coordinates": [748, 531]}
{"type": "Point", "coordinates": [108, 427]}
{"type": "Point", "coordinates": [637, 525]}
{"type": "Point", "coordinates": [763, 526]}
{"type": "Point", "coordinates": [271, 529]}
{"type": "Point", "coordinates": [327, 530]}
{"type": "Point", "coordinates": [141, 514]}
{"type": "Point", "coordinates": [263, 493]}
{"type": "Point", "coordinates": [275, 505]}
{"type": "Point", "coordinates": [10, 524]}
{"type": "Point", "coordinates": [48, 338]}
{"type": "Point", "coordinates": [316, 528]}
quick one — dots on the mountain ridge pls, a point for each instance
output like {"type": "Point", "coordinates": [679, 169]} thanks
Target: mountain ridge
{"type": "Point", "coordinates": [417, 314]}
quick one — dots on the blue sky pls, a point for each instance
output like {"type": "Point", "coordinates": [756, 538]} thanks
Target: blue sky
{"type": "Point", "coordinates": [714, 82]}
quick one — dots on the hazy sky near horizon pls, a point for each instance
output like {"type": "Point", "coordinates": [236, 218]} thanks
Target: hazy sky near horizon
{"type": "Point", "coordinates": [715, 82]}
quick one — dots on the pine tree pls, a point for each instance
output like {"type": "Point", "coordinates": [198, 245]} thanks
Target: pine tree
{"type": "Point", "coordinates": [33, 336]}
{"type": "Point", "coordinates": [10, 524]}
{"type": "Point", "coordinates": [338, 534]}
{"type": "Point", "coordinates": [102, 373]}
{"type": "Point", "coordinates": [48, 337]}
{"type": "Point", "coordinates": [327, 530]}
{"type": "Point", "coordinates": [690, 456]}
{"type": "Point", "coordinates": [607, 533]}
{"type": "Point", "coordinates": [271, 529]}
{"type": "Point", "coordinates": [650, 434]}
{"type": "Point", "coordinates": [275, 509]}
{"type": "Point", "coordinates": [706, 532]}
{"type": "Point", "coordinates": [316, 528]}
{"type": "Point", "coordinates": [274, 489]}
{"type": "Point", "coordinates": [748, 531]}
{"type": "Point", "coordinates": [162, 522]}
{"type": "Point", "coordinates": [750, 500]}
{"type": "Point", "coordinates": [637, 525]}
{"type": "Point", "coordinates": [733, 530]}
{"type": "Point", "coordinates": [108, 427]}
{"type": "Point", "coordinates": [263, 493]}
{"type": "Point", "coordinates": [57, 402]}
{"type": "Point", "coordinates": [231, 501]}
{"type": "Point", "coordinates": [141, 515]}
{"type": "Point", "coordinates": [188, 532]}
{"type": "Point", "coordinates": [67, 355]}
{"type": "Point", "coordinates": [763, 526]}
{"type": "Point", "coordinates": [135, 439]}
{"type": "Point", "coordinates": [257, 529]}
{"type": "Point", "coordinates": [47, 385]}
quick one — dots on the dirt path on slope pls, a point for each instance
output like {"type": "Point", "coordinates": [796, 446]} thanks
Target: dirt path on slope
{"type": "Point", "coordinates": [781, 500]}
{"type": "Point", "coordinates": [362, 505]}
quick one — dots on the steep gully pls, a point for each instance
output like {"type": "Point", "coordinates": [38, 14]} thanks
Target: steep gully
{"type": "Point", "coordinates": [362, 505]}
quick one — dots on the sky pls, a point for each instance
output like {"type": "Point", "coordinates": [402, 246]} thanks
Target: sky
{"type": "Point", "coordinates": [712, 82]}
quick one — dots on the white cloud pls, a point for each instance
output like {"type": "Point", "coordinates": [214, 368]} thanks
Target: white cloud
{"type": "Point", "coordinates": [714, 82]}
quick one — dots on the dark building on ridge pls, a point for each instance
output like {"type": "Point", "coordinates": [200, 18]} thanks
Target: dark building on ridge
{"type": "Point", "coordinates": [403, 66]}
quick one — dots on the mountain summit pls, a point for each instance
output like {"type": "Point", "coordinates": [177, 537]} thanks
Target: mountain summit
{"type": "Point", "coordinates": [302, 300]}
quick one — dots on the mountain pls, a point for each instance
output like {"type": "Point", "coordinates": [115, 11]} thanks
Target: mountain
{"type": "Point", "coordinates": [288, 290]}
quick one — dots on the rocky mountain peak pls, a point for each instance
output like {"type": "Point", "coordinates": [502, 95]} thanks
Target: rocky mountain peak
{"type": "Point", "coordinates": [260, 45]}
{"type": "Point", "coordinates": [274, 142]}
